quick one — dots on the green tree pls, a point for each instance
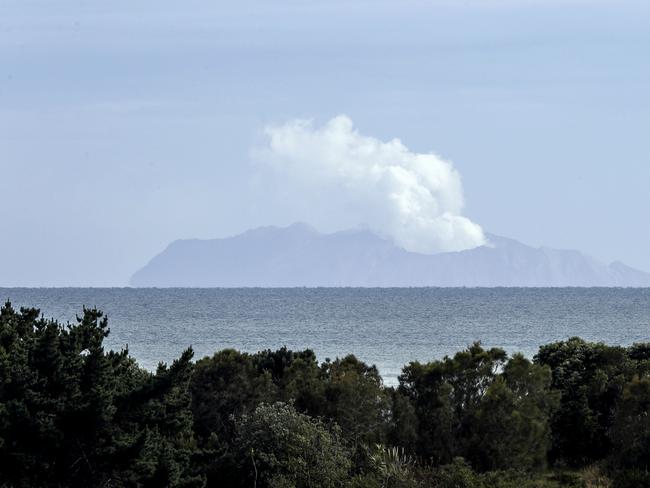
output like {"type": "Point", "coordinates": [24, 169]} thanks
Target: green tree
{"type": "Point", "coordinates": [155, 421]}
{"type": "Point", "coordinates": [72, 414]}
{"type": "Point", "coordinates": [355, 399]}
{"type": "Point", "coordinates": [630, 431]}
{"type": "Point", "coordinates": [590, 378]}
{"type": "Point", "coordinates": [512, 428]}
{"type": "Point", "coordinates": [480, 406]}
{"type": "Point", "coordinates": [279, 447]}
{"type": "Point", "coordinates": [446, 395]}
{"type": "Point", "coordinates": [403, 421]}
{"type": "Point", "coordinates": [224, 386]}
{"type": "Point", "coordinates": [301, 381]}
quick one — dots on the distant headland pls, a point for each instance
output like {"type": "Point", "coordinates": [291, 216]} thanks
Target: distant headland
{"type": "Point", "coordinates": [299, 255]}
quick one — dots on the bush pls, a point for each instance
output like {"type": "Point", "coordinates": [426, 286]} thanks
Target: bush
{"type": "Point", "coordinates": [631, 478]}
{"type": "Point", "coordinates": [457, 474]}
{"type": "Point", "coordinates": [280, 447]}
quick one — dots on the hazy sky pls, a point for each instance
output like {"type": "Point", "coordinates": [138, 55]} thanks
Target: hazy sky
{"type": "Point", "coordinates": [125, 125]}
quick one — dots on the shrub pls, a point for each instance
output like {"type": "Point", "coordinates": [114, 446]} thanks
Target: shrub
{"type": "Point", "coordinates": [280, 447]}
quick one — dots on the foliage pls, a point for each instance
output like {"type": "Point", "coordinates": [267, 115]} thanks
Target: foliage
{"type": "Point", "coordinates": [224, 386]}
{"type": "Point", "coordinates": [630, 431]}
{"type": "Point", "coordinates": [590, 378]}
{"type": "Point", "coordinates": [457, 474]}
{"type": "Point", "coordinates": [483, 407]}
{"type": "Point", "coordinates": [345, 392]}
{"type": "Point", "coordinates": [72, 414]}
{"type": "Point", "coordinates": [75, 415]}
{"type": "Point", "coordinates": [393, 467]}
{"type": "Point", "coordinates": [279, 447]}
{"type": "Point", "coordinates": [355, 399]}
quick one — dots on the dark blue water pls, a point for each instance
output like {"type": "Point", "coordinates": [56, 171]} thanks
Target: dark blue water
{"type": "Point", "coordinates": [387, 327]}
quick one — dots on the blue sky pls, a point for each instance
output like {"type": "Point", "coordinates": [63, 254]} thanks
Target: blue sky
{"type": "Point", "coordinates": [126, 125]}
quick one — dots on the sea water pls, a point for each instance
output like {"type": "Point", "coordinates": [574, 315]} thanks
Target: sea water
{"type": "Point", "coordinates": [382, 326]}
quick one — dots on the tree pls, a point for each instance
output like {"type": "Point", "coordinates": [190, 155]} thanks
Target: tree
{"type": "Point", "coordinates": [73, 415]}
{"type": "Point", "coordinates": [57, 398]}
{"type": "Point", "coordinates": [355, 399]}
{"type": "Point", "coordinates": [156, 435]}
{"type": "Point", "coordinates": [590, 378]}
{"type": "Point", "coordinates": [227, 385]}
{"type": "Point", "coordinates": [279, 447]}
{"type": "Point", "coordinates": [512, 428]}
{"type": "Point", "coordinates": [403, 422]}
{"type": "Point", "coordinates": [630, 431]}
{"type": "Point", "coordinates": [480, 406]}
{"type": "Point", "coordinates": [446, 395]}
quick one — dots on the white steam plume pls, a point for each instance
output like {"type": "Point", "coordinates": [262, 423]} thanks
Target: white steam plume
{"type": "Point", "coordinates": [415, 199]}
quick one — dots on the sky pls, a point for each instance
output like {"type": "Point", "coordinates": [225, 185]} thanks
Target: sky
{"type": "Point", "coordinates": [127, 125]}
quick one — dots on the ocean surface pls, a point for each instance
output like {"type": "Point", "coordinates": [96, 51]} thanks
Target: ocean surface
{"type": "Point", "coordinates": [386, 327]}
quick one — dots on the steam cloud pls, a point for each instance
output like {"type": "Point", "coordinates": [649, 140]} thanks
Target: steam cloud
{"type": "Point", "coordinates": [414, 199]}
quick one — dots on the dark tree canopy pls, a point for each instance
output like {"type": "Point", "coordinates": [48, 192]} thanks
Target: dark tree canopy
{"type": "Point", "coordinates": [482, 406]}
{"type": "Point", "coordinates": [72, 414]}
{"type": "Point", "coordinates": [75, 415]}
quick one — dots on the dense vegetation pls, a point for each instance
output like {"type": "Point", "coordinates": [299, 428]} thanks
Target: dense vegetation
{"type": "Point", "coordinates": [75, 415]}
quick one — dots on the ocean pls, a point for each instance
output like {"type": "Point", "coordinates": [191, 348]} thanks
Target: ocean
{"type": "Point", "coordinates": [382, 326]}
